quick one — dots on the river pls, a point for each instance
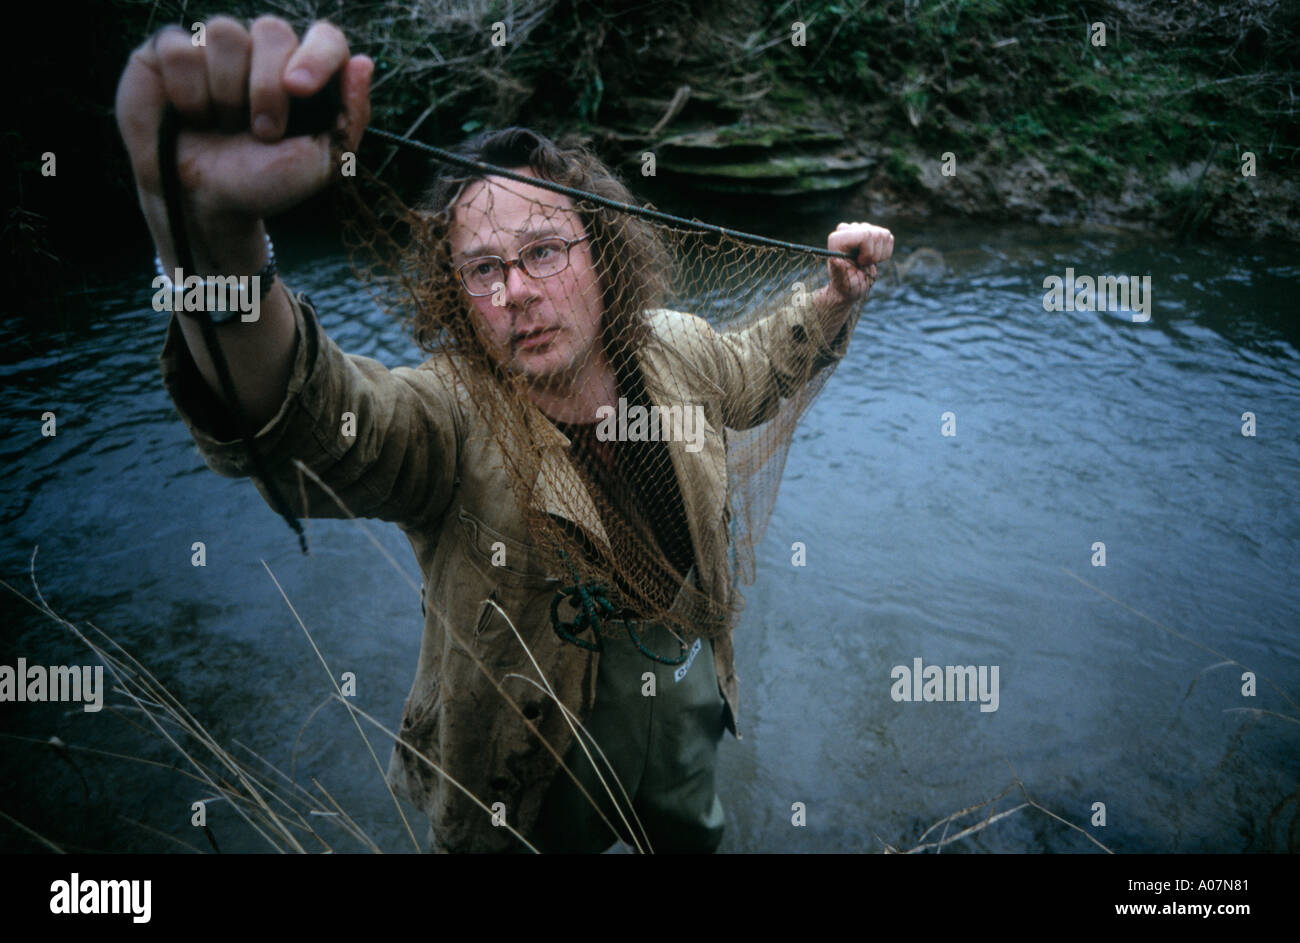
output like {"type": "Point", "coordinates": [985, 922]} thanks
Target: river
{"type": "Point", "coordinates": [1120, 688]}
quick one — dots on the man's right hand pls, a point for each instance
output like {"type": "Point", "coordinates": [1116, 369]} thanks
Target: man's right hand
{"type": "Point", "coordinates": [242, 170]}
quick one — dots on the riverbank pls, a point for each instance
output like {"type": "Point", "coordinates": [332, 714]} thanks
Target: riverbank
{"type": "Point", "coordinates": [1127, 114]}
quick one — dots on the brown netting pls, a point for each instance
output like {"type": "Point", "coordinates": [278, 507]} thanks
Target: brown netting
{"type": "Point", "coordinates": [537, 355]}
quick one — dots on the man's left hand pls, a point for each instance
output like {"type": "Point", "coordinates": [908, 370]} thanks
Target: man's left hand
{"type": "Point", "coordinates": [868, 244]}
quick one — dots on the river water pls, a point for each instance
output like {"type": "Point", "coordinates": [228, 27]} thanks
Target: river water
{"type": "Point", "coordinates": [1121, 688]}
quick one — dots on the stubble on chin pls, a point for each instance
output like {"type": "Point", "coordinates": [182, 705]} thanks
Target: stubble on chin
{"type": "Point", "coordinates": [555, 377]}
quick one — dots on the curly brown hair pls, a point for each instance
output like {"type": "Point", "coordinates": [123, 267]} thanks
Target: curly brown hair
{"type": "Point", "coordinates": [634, 263]}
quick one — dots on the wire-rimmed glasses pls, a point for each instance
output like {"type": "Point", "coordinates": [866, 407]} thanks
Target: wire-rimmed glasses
{"type": "Point", "coordinates": [541, 258]}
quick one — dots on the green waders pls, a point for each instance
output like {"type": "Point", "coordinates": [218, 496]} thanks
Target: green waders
{"type": "Point", "coordinates": [663, 749]}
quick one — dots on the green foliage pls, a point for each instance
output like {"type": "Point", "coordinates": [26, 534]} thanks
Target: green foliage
{"type": "Point", "coordinates": [903, 172]}
{"type": "Point", "coordinates": [1020, 76]}
{"type": "Point", "coordinates": [1009, 78]}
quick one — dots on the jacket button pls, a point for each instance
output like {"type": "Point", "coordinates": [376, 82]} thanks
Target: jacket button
{"type": "Point", "coordinates": [532, 712]}
{"type": "Point", "coordinates": [499, 784]}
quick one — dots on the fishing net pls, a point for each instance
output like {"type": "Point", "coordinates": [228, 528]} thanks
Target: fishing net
{"type": "Point", "coordinates": [616, 359]}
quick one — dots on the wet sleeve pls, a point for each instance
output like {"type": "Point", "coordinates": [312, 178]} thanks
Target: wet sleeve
{"type": "Point", "coordinates": [385, 441]}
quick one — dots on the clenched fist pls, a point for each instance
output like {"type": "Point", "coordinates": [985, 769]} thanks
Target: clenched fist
{"type": "Point", "coordinates": [869, 244]}
{"type": "Point", "coordinates": [237, 86]}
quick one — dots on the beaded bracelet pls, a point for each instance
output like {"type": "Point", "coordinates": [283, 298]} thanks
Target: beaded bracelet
{"type": "Point", "coordinates": [266, 275]}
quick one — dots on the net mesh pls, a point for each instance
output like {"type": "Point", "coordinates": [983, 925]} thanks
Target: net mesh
{"type": "Point", "coordinates": [614, 358]}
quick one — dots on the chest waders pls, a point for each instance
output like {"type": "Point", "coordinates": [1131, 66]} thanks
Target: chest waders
{"type": "Point", "coordinates": [663, 749]}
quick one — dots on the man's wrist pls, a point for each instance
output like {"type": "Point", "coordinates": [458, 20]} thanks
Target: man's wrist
{"type": "Point", "coordinates": [831, 310]}
{"type": "Point", "coordinates": [266, 273]}
{"type": "Point", "coordinates": [220, 247]}
{"type": "Point", "coordinates": [217, 291]}
{"type": "Point", "coordinates": [230, 246]}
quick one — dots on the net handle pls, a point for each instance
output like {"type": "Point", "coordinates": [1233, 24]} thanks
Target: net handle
{"type": "Point", "coordinates": [657, 215]}
{"type": "Point", "coordinates": [169, 129]}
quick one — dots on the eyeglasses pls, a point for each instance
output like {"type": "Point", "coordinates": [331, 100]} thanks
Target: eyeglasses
{"type": "Point", "coordinates": [540, 259]}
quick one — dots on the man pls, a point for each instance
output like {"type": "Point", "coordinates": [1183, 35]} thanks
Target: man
{"type": "Point", "coordinates": [537, 279]}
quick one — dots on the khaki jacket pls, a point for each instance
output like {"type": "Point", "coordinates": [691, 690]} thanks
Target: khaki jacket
{"type": "Point", "coordinates": [424, 458]}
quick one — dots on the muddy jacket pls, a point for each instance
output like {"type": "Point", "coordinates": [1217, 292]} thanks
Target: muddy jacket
{"type": "Point", "coordinates": [424, 458]}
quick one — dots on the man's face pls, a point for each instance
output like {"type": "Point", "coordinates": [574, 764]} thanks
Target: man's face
{"type": "Point", "coordinates": [544, 328]}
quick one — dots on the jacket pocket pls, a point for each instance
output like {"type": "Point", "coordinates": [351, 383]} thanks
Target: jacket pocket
{"type": "Point", "coordinates": [493, 567]}
{"type": "Point", "coordinates": [500, 558]}
{"type": "Point", "coordinates": [486, 615]}
{"type": "Point", "coordinates": [527, 609]}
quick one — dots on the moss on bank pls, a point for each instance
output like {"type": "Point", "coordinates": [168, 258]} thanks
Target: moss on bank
{"type": "Point", "coordinates": [1175, 88]}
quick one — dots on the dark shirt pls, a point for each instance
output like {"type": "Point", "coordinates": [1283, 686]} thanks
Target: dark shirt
{"type": "Point", "coordinates": [635, 487]}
